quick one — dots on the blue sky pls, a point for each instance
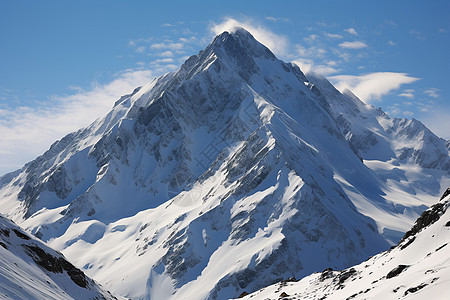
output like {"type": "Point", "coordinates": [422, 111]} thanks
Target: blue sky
{"type": "Point", "coordinates": [64, 63]}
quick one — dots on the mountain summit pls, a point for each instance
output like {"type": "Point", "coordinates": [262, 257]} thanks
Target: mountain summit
{"type": "Point", "coordinates": [232, 173]}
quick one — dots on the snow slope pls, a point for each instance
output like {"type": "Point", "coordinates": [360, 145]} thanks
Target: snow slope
{"type": "Point", "coordinates": [417, 268]}
{"type": "Point", "coordinates": [31, 270]}
{"type": "Point", "coordinates": [232, 173]}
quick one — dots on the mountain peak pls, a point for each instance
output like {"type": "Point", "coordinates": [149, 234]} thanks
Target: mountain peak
{"type": "Point", "coordinates": [239, 41]}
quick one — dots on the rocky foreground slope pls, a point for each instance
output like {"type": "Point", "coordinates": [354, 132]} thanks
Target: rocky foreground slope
{"type": "Point", "coordinates": [31, 270]}
{"type": "Point", "coordinates": [417, 268]}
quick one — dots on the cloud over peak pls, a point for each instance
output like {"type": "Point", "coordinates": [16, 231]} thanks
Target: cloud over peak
{"type": "Point", "coordinates": [371, 87]}
{"type": "Point", "coordinates": [275, 42]}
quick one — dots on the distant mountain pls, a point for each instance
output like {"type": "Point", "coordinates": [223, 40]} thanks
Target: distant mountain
{"type": "Point", "coordinates": [418, 266]}
{"type": "Point", "coordinates": [31, 270]}
{"type": "Point", "coordinates": [230, 174]}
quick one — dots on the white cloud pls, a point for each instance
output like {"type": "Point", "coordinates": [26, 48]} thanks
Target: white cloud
{"type": "Point", "coordinates": [393, 110]}
{"type": "Point", "coordinates": [432, 92]}
{"type": "Point", "coordinates": [351, 31]}
{"type": "Point", "coordinates": [26, 132]}
{"type": "Point", "coordinates": [308, 65]}
{"type": "Point", "coordinates": [170, 46]}
{"type": "Point", "coordinates": [313, 52]}
{"type": "Point", "coordinates": [407, 94]}
{"type": "Point", "coordinates": [325, 70]}
{"type": "Point", "coordinates": [392, 43]}
{"type": "Point", "coordinates": [188, 40]}
{"type": "Point", "coordinates": [273, 19]}
{"type": "Point", "coordinates": [417, 34]}
{"type": "Point", "coordinates": [332, 63]}
{"type": "Point", "coordinates": [353, 45]}
{"type": "Point", "coordinates": [136, 42]}
{"type": "Point", "coordinates": [333, 35]}
{"type": "Point", "coordinates": [163, 60]}
{"type": "Point", "coordinates": [408, 114]}
{"type": "Point", "coordinates": [373, 86]}
{"type": "Point", "coordinates": [140, 49]}
{"type": "Point", "coordinates": [305, 65]}
{"type": "Point", "coordinates": [311, 38]}
{"type": "Point", "coordinates": [344, 55]}
{"type": "Point", "coordinates": [166, 54]}
{"type": "Point", "coordinates": [275, 42]}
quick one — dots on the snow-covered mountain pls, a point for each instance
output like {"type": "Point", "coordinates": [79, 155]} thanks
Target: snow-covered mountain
{"type": "Point", "coordinates": [230, 174]}
{"type": "Point", "coordinates": [418, 267]}
{"type": "Point", "coordinates": [31, 270]}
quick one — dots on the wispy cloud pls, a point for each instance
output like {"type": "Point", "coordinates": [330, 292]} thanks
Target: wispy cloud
{"type": "Point", "coordinates": [140, 49]}
{"type": "Point", "coordinates": [275, 42]}
{"type": "Point", "coordinates": [333, 35]}
{"type": "Point", "coordinates": [137, 42]}
{"type": "Point", "coordinates": [393, 110]}
{"type": "Point", "coordinates": [308, 65]}
{"type": "Point", "coordinates": [170, 46]}
{"type": "Point", "coordinates": [419, 35]}
{"type": "Point", "coordinates": [311, 38]}
{"type": "Point", "coordinates": [26, 132]}
{"type": "Point", "coordinates": [313, 59]}
{"type": "Point", "coordinates": [392, 43]}
{"type": "Point", "coordinates": [275, 19]}
{"type": "Point", "coordinates": [432, 92]}
{"type": "Point", "coordinates": [373, 86]}
{"type": "Point", "coordinates": [188, 40]}
{"type": "Point", "coordinates": [408, 93]}
{"type": "Point", "coordinates": [351, 31]}
{"type": "Point", "coordinates": [353, 45]}
{"type": "Point", "coordinates": [166, 54]}
{"type": "Point", "coordinates": [312, 51]}
{"type": "Point", "coordinates": [408, 114]}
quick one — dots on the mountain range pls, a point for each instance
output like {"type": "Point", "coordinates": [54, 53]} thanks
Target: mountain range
{"type": "Point", "coordinates": [230, 174]}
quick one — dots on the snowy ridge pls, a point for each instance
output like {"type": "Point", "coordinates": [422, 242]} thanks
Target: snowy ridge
{"type": "Point", "coordinates": [232, 173]}
{"type": "Point", "coordinates": [31, 270]}
{"type": "Point", "coordinates": [417, 268]}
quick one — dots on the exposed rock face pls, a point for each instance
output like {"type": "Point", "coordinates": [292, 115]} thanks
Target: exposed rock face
{"type": "Point", "coordinates": [427, 218]}
{"type": "Point", "coordinates": [31, 270]}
